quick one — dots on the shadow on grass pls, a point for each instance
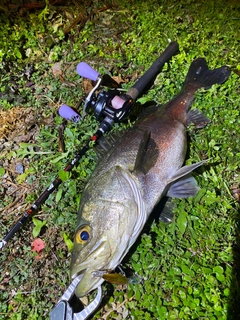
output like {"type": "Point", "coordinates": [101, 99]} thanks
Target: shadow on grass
{"type": "Point", "coordinates": [234, 298]}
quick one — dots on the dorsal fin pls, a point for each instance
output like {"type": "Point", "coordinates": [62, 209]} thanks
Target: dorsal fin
{"type": "Point", "coordinates": [148, 111]}
{"type": "Point", "coordinates": [106, 143]}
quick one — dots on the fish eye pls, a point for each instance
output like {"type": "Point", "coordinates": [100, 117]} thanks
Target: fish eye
{"type": "Point", "coordinates": [83, 234]}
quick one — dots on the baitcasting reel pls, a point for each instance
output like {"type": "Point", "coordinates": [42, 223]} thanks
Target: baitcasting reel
{"type": "Point", "coordinates": [106, 103]}
{"type": "Point", "coordinates": [114, 105]}
{"type": "Point", "coordinates": [110, 106]}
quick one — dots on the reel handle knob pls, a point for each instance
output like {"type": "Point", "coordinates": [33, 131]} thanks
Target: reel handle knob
{"type": "Point", "coordinates": [84, 70]}
{"type": "Point", "coordinates": [68, 113]}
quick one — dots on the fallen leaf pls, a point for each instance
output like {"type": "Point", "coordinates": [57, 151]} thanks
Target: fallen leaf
{"type": "Point", "coordinates": [118, 79]}
{"type": "Point", "coordinates": [37, 245]}
{"type": "Point", "coordinates": [56, 69]}
{"type": "Point", "coordinates": [87, 85]}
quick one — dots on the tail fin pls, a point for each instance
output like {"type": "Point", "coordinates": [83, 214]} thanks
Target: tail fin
{"type": "Point", "coordinates": [199, 76]}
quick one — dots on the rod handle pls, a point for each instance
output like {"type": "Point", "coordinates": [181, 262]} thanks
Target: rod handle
{"type": "Point", "coordinates": [149, 76]}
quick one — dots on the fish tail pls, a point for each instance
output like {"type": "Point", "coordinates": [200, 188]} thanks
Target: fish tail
{"type": "Point", "coordinates": [199, 76]}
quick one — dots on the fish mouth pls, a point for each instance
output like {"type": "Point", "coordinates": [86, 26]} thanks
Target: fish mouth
{"type": "Point", "coordinates": [88, 282]}
{"type": "Point", "coordinates": [96, 251]}
{"type": "Point", "coordinates": [87, 268]}
{"type": "Point", "coordinates": [75, 275]}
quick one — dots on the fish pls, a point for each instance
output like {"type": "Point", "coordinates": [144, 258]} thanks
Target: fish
{"type": "Point", "coordinates": [136, 170]}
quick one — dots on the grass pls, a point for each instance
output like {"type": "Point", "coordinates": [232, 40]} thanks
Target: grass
{"type": "Point", "coordinates": [190, 268]}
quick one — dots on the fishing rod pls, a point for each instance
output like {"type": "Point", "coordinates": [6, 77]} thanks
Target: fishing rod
{"type": "Point", "coordinates": [109, 107]}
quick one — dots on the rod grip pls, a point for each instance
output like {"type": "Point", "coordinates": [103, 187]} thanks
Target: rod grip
{"type": "Point", "coordinates": [149, 76]}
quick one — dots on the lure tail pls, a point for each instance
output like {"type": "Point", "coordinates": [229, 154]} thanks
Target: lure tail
{"type": "Point", "coordinates": [199, 76]}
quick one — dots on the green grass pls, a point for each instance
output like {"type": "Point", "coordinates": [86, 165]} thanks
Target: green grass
{"type": "Point", "coordinates": [190, 268]}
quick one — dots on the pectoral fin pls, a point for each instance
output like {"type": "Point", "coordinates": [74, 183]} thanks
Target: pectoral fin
{"type": "Point", "coordinates": [147, 154]}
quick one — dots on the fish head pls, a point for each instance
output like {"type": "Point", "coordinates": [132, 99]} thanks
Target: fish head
{"type": "Point", "coordinates": [91, 252]}
{"type": "Point", "coordinates": [111, 216]}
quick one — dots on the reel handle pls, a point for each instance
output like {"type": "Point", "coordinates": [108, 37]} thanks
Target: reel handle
{"type": "Point", "coordinates": [68, 113]}
{"type": "Point", "coordinates": [85, 71]}
{"type": "Point", "coordinates": [149, 76]}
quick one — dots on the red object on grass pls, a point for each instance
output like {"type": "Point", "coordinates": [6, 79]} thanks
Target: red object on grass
{"type": "Point", "coordinates": [37, 245]}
